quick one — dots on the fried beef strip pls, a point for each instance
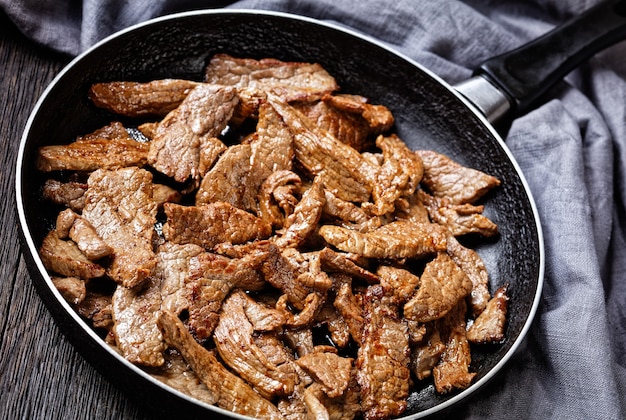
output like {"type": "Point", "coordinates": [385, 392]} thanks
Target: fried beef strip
{"type": "Point", "coordinates": [208, 225]}
{"type": "Point", "coordinates": [290, 81]}
{"type": "Point", "coordinates": [442, 285]}
{"type": "Point", "coordinates": [191, 127]}
{"type": "Point", "coordinates": [233, 337]}
{"type": "Point", "coordinates": [119, 206]}
{"type": "Point", "coordinates": [135, 314]}
{"type": "Point", "coordinates": [445, 178]}
{"type": "Point", "coordinates": [135, 99]}
{"type": "Point", "coordinates": [345, 172]}
{"type": "Point", "coordinates": [383, 358]}
{"type": "Point", "coordinates": [65, 258]}
{"type": "Point", "coordinates": [77, 228]}
{"type": "Point", "coordinates": [89, 155]}
{"type": "Point", "coordinates": [452, 370]}
{"type": "Point", "coordinates": [72, 288]}
{"type": "Point", "coordinates": [425, 356]}
{"type": "Point", "coordinates": [333, 372]}
{"type": "Point", "coordinates": [489, 326]}
{"type": "Point", "coordinates": [210, 279]}
{"type": "Point", "coordinates": [70, 194]}
{"type": "Point", "coordinates": [278, 197]}
{"type": "Point", "coordinates": [230, 391]}
{"type": "Point", "coordinates": [396, 240]}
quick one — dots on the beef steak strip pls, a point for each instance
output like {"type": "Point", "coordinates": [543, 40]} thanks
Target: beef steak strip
{"type": "Point", "coordinates": [65, 258]}
{"type": "Point", "coordinates": [490, 324]}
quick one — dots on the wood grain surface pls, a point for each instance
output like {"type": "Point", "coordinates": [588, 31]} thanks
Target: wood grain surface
{"type": "Point", "coordinates": [41, 374]}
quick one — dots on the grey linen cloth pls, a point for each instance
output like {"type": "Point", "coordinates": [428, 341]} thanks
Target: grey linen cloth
{"type": "Point", "coordinates": [572, 150]}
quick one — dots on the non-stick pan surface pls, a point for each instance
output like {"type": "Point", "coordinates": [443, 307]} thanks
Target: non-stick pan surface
{"type": "Point", "coordinates": [429, 115]}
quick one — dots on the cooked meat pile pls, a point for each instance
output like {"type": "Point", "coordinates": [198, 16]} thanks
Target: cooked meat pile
{"type": "Point", "coordinates": [267, 244]}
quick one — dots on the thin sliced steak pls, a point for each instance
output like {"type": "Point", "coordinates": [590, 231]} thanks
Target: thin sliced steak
{"type": "Point", "coordinates": [333, 372]}
{"type": "Point", "coordinates": [64, 257]}
{"type": "Point", "coordinates": [120, 207]}
{"type": "Point", "coordinates": [490, 324]}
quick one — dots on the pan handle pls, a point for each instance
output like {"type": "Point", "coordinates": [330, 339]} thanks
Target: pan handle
{"type": "Point", "coordinates": [524, 75]}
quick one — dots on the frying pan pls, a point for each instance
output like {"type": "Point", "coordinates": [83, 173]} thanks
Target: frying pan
{"type": "Point", "coordinates": [430, 114]}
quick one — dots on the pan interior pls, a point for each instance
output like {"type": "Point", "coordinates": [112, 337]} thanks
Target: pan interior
{"type": "Point", "coordinates": [428, 116]}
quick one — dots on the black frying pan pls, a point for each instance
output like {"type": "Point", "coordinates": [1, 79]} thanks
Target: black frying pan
{"type": "Point", "coordinates": [429, 115]}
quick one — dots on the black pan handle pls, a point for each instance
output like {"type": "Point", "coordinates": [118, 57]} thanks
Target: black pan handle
{"type": "Point", "coordinates": [526, 73]}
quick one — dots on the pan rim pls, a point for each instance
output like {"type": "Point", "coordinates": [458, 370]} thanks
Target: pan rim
{"type": "Point", "coordinates": [28, 242]}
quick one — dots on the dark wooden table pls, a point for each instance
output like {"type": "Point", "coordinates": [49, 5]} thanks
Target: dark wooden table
{"type": "Point", "coordinates": [41, 374]}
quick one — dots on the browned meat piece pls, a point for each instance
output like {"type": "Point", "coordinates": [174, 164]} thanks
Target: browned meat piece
{"type": "Point", "coordinates": [303, 221]}
{"type": "Point", "coordinates": [338, 329]}
{"type": "Point", "coordinates": [332, 261]}
{"type": "Point", "coordinates": [280, 272]}
{"type": "Point", "coordinates": [233, 340]}
{"type": "Point", "coordinates": [96, 307]}
{"type": "Point", "coordinates": [346, 407]}
{"type": "Point", "coordinates": [148, 129]}
{"type": "Point", "coordinates": [263, 317]}
{"type": "Point", "coordinates": [134, 99]}
{"type": "Point", "coordinates": [278, 197]}
{"type": "Point", "coordinates": [452, 371]}
{"type": "Point", "coordinates": [228, 180]}
{"type": "Point", "coordinates": [311, 306]}
{"type": "Point", "coordinates": [294, 406]}
{"type": "Point", "coordinates": [398, 282]}
{"type": "Point", "coordinates": [489, 326]}
{"type": "Point", "coordinates": [350, 308]}
{"type": "Point", "coordinates": [474, 267]}
{"type": "Point", "coordinates": [412, 210]}
{"type": "Point", "coordinates": [383, 359]}
{"type": "Point", "coordinates": [71, 288]}
{"type": "Point", "coordinates": [459, 219]}
{"type": "Point", "coordinates": [396, 240]}
{"type": "Point", "coordinates": [378, 117]}
{"type": "Point", "coordinates": [211, 278]}
{"type": "Point", "coordinates": [89, 155]}
{"type": "Point", "coordinates": [210, 151]}
{"type": "Point", "coordinates": [176, 373]}
{"type": "Point", "coordinates": [399, 174]}
{"type": "Point", "coordinates": [65, 221]}
{"type": "Point", "coordinates": [190, 128]}
{"type": "Point", "coordinates": [290, 81]}
{"type": "Point", "coordinates": [88, 240]}
{"type": "Point", "coordinates": [230, 392]}
{"type": "Point", "coordinates": [272, 150]}
{"type": "Point", "coordinates": [173, 266]}
{"type": "Point", "coordinates": [114, 130]}
{"type": "Point", "coordinates": [164, 194]}
{"type": "Point", "coordinates": [446, 178]}
{"type": "Point", "coordinates": [344, 171]}
{"type": "Point", "coordinates": [211, 224]}
{"type": "Point", "coordinates": [135, 313]}
{"type": "Point", "coordinates": [119, 206]}
{"type": "Point", "coordinates": [425, 356]}
{"type": "Point", "coordinates": [442, 285]}
{"type": "Point", "coordinates": [348, 213]}
{"type": "Point", "coordinates": [64, 257]}
{"type": "Point", "coordinates": [333, 372]}
{"type": "Point", "coordinates": [70, 194]}
{"type": "Point", "coordinates": [299, 339]}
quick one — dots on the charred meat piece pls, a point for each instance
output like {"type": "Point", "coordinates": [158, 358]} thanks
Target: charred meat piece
{"type": "Point", "coordinates": [211, 224]}
{"type": "Point", "coordinates": [70, 194]}
{"type": "Point", "coordinates": [383, 359]}
{"type": "Point", "coordinates": [345, 172]}
{"type": "Point", "coordinates": [64, 257]}
{"type": "Point", "coordinates": [190, 128]}
{"type": "Point", "coordinates": [333, 372]}
{"type": "Point", "coordinates": [71, 288]}
{"type": "Point", "coordinates": [474, 267]}
{"type": "Point", "coordinates": [120, 207]}
{"type": "Point", "coordinates": [425, 356]}
{"type": "Point", "coordinates": [452, 371]}
{"type": "Point", "coordinates": [396, 240]}
{"type": "Point", "coordinates": [290, 81]}
{"type": "Point", "coordinates": [442, 285]}
{"type": "Point", "coordinates": [89, 155]}
{"type": "Point", "coordinates": [211, 278]}
{"type": "Point", "coordinates": [399, 175]}
{"type": "Point", "coordinates": [459, 219]}
{"type": "Point", "coordinates": [135, 99]}
{"type": "Point", "coordinates": [228, 180]}
{"type": "Point", "coordinates": [489, 326]}
{"type": "Point", "coordinates": [135, 314]}
{"type": "Point", "coordinates": [303, 221]}
{"type": "Point", "coordinates": [173, 266]}
{"type": "Point", "coordinates": [445, 178]}
{"type": "Point", "coordinates": [233, 340]}
{"type": "Point", "coordinates": [230, 391]}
